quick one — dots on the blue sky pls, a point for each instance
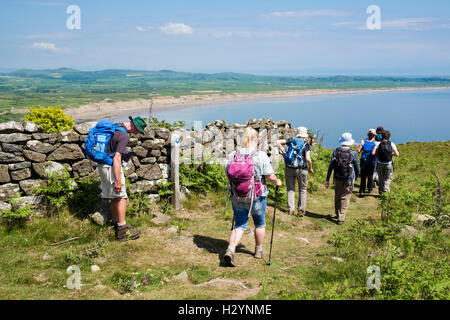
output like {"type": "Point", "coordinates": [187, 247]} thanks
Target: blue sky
{"type": "Point", "coordinates": [263, 37]}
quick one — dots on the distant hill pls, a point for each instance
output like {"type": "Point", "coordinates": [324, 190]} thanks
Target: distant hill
{"type": "Point", "coordinates": [69, 87]}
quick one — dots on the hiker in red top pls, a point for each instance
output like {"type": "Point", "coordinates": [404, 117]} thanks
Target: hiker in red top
{"type": "Point", "coordinates": [247, 171]}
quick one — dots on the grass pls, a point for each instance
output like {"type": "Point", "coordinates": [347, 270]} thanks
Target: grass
{"type": "Point", "coordinates": [144, 269]}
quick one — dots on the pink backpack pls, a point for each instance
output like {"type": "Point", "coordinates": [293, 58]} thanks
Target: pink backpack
{"type": "Point", "coordinates": [241, 174]}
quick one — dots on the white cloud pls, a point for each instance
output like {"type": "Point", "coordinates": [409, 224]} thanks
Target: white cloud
{"type": "Point", "coordinates": [45, 46]}
{"type": "Point", "coordinates": [305, 13]}
{"type": "Point", "coordinates": [176, 28]}
{"type": "Point", "coordinates": [219, 35]}
{"type": "Point", "coordinates": [139, 28]}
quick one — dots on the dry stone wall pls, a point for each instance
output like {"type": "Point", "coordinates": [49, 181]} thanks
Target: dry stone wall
{"type": "Point", "coordinates": [28, 156]}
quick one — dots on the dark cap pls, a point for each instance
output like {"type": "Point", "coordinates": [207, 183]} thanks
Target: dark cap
{"type": "Point", "coordinates": [380, 129]}
{"type": "Point", "coordinates": [139, 123]}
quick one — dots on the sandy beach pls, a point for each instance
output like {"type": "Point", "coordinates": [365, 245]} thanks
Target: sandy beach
{"type": "Point", "coordinates": [93, 111]}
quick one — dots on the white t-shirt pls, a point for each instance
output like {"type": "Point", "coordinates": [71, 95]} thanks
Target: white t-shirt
{"type": "Point", "coordinates": [394, 149]}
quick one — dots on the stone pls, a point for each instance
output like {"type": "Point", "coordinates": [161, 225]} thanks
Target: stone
{"type": "Point", "coordinates": [67, 152]}
{"type": "Point", "coordinates": [14, 137]}
{"type": "Point", "coordinates": [103, 208]}
{"type": "Point", "coordinates": [149, 160]}
{"type": "Point", "coordinates": [95, 268]}
{"type": "Point", "coordinates": [162, 133]}
{"type": "Point", "coordinates": [337, 259]}
{"type": "Point", "coordinates": [142, 186]}
{"type": "Point", "coordinates": [149, 133]}
{"type": "Point", "coordinates": [149, 172]}
{"type": "Point", "coordinates": [4, 206]}
{"type": "Point", "coordinates": [154, 197]}
{"type": "Point", "coordinates": [160, 219]}
{"type": "Point", "coordinates": [182, 277]}
{"type": "Point", "coordinates": [140, 152]}
{"type": "Point", "coordinates": [83, 167]}
{"type": "Point", "coordinates": [11, 127]}
{"type": "Point", "coordinates": [34, 156]}
{"type": "Point", "coordinates": [304, 240]}
{"type": "Point", "coordinates": [38, 146]}
{"type": "Point", "coordinates": [136, 162]}
{"type": "Point", "coordinates": [408, 231]}
{"type": "Point", "coordinates": [162, 159]}
{"type": "Point", "coordinates": [128, 168]}
{"type": "Point", "coordinates": [21, 174]}
{"type": "Point", "coordinates": [6, 157]}
{"type": "Point", "coordinates": [28, 186]}
{"type": "Point", "coordinates": [425, 219]}
{"type": "Point", "coordinates": [155, 153]}
{"type": "Point", "coordinates": [184, 193]}
{"type": "Point", "coordinates": [133, 177]}
{"type": "Point", "coordinates": [46, 169]}
{"type": "Point", "coordinates": [220, 282]}
{"type": "Point", "coordinates": [32, 201]}
{"type": "Point", "coordinates": [68, 136]}
{"type": "Point", "coordinates": [208, 136]}
{"type": "Point", "coordinates": [8, 147]}
{"type": "Point", "coordinates": [98, 218]}
{"type": "Point", "coordinates": [42, 136]}
{"type": "Point", "coordinates": [153, 144]}
{"type": "Point", "coordinates": [172, 229]}
{"type": "Point", "coordinates": [32, 127]}
{"type": "Point", "coordinates": [83, 128]}
{"type": "Point", "coordinates": [19, 165]}
{"type": "Point", "coordinates": [4, 173]}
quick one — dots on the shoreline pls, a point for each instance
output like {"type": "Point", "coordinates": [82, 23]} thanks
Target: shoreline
{"type": "Point", "coordinates": [92, 111]}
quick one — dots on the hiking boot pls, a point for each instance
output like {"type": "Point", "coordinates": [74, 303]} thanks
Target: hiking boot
{"type": "Point", "coordinates": [340, 222]}
{"type": "Point", "coordinates": [259, 254]}
{"type": "Point", "coordinates": [229, 259]}
{"type": "Point", "coordinates": [300, 213]}
{"type": "Point", "coordinates": [125, 233]}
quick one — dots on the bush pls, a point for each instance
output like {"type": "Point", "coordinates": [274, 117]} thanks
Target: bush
{"type": "Point", "coordinates": [17, 216]}
{"type": "Point", "coordinates": [203, 178]}
{"type": "Point", "coordinates": [52, 119]}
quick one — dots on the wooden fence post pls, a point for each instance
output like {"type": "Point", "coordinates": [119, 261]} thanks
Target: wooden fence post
{"type": "Point", "coordinates": [175, 169]}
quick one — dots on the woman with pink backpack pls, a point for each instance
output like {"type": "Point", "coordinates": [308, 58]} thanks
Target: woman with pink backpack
{"type": "Point", "coordinates": [247, 171]}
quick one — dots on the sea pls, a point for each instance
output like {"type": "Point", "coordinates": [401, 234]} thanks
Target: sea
{"type": "Point", "coordinates": [422, 115]}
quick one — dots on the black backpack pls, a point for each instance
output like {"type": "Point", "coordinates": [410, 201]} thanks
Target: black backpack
{"type": "Point", "coordinates": [343, 163]}
{"type": "Point", "coordinates": [384, 151]}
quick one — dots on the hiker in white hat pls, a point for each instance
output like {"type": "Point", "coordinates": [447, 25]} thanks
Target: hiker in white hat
{"type": "Point", "coordinates": [344, 162]}
{"type": "Point", "coordinates": [297, 159]}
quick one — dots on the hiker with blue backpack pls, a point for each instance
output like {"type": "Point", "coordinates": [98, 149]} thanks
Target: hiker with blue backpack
{"type": "Point", "coordinates": [247, 171]}
{"type": "Point", "coordinates": [367, 162]}
{"type": "Point", "coordinates": [297, 160]}
{"type": "Point", "coordinates": [344, 163]}
{"type": "Point", "coordinates": [106, 145]}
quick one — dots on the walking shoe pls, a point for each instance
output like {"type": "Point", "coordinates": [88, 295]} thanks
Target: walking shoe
{"type": "Point", "coordinates": [340, 222]}
{"type": "Point", "coordinates": [125, 233]}
{"type": "Point", "coordinates": [300, 213]}
{"type": "Point", "coordinates": [229, 258]}
{"type": "Point", "coordinates": [259, 254]}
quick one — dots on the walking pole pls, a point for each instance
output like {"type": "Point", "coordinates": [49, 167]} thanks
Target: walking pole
{"type": "Point", "coordinates": [273, 225]}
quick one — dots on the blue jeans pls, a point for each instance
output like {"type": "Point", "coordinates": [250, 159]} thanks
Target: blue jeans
{"type": "Point", "coordinates": [241, 210]}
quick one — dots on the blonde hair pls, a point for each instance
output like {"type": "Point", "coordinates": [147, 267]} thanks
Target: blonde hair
{"type": "Point", "coordinates": [250, 135]}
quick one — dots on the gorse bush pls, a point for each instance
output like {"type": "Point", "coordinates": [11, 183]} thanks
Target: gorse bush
{"type": "Point", "coordinates": [52, 119]}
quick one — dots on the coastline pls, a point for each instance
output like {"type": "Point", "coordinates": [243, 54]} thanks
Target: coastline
{"type": "Point", "coordinates": [117, 109]}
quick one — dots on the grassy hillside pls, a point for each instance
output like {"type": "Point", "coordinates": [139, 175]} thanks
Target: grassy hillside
{"type": "Point", "coordinates": [312, 258]}
{"type": "Point", "coordinates": [69, 87]}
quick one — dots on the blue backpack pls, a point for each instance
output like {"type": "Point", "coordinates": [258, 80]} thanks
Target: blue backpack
{"type": "Point", "coordinates": [97, 141]}
{"type": "Point", "coordinates": [366, 155]}
{"type": "Point", "coordinates": [294, 154]}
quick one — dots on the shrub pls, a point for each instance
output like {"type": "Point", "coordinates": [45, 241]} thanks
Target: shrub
{"type": "Point", "coordinates": [52, 119]}
{"type": "Point", "coordinates": [17, 216]}
{"type": "Point", "coordinates": [203, 178]}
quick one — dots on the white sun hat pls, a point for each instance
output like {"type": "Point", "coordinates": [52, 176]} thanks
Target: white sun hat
{"type": "Point", "coordinates": [302, 132]}
{"type": "Point", "coordinates": [346, 139]}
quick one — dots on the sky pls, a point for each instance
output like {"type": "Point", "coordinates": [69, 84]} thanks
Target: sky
{"type": "Point", "coordinates": [250, 36]}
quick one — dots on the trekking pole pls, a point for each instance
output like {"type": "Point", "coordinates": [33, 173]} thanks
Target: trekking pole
{"type": "Point", "coordinates": [273, 225]}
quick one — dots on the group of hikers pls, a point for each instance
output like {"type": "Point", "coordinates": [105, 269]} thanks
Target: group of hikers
{"type": "Point", "coordinates": [248, 170]}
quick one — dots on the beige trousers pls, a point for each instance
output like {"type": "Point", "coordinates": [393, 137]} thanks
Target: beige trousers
{"type": "Point", "coordinates": [342, 194]}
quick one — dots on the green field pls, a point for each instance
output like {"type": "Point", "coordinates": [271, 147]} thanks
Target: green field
{"type": "Point", "coordinates": [313, 258]}
{"type": "Point", "coordinates": [70, 88]}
